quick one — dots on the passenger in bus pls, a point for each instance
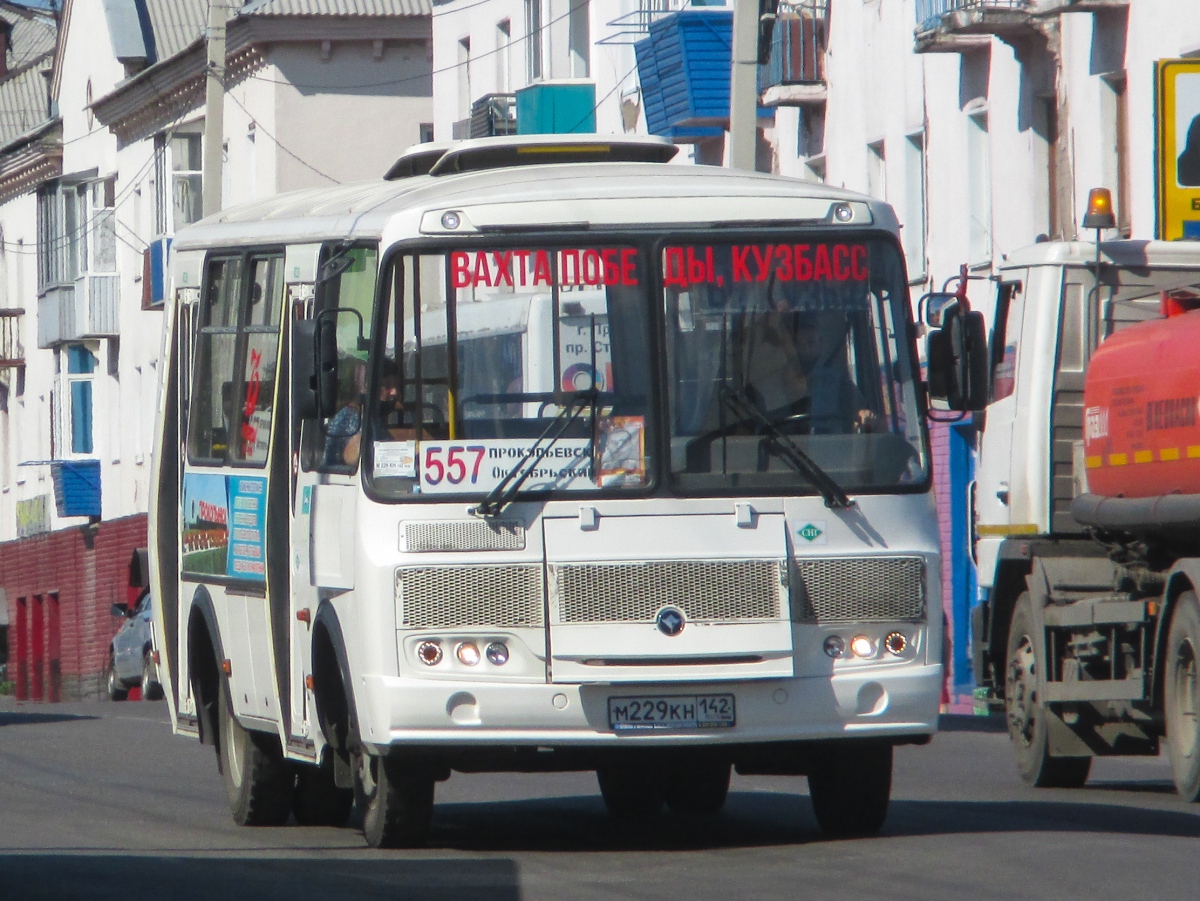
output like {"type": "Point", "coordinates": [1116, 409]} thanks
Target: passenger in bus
{"type": "Point", "coordinates": [344, 429]}
{"type": "Point", "coordinates": [834, 403]}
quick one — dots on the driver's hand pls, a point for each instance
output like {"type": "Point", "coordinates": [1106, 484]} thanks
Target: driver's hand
{"type": "Point", "coordinates": [867, 421]}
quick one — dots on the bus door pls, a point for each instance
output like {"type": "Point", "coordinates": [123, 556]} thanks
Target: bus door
{"type": "Point", "coordinates": [227, 466]}
{"type": "Point", "coordinates": [325, 460]}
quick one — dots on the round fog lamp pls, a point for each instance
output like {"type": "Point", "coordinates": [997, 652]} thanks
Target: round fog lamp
{"type": "Point", "coordinates": [467, 653]}
{"type": "Point", "coordinates": [835, 647]}
{"type": "Point", "coordinates": [895, 642]}
{"type": "Point", "coordinates": [451, 220]}
{"type": "Point", "coordinates": [429, 653]}
{"type": "Point", "coordinates": [842, 212]}
{"type": "Point", "coordinates": [861, 646]}
{"type": "Point", "coordinates": [497, 653]}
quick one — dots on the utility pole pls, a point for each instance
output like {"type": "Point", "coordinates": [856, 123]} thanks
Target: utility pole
{"type": "Point", "coordinates": [743, 86]}
{"type": "Point", "coordinates": [214, 107]}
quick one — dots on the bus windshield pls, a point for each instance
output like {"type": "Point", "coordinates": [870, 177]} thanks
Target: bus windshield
{"type": "Point", "coordinates": [786, 349]}
{"type": "Point", "coordinates": [503, 359]}
{"type": "Point", "coordinates": [532, 356]}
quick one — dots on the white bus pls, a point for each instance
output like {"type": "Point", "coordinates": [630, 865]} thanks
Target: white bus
{"type": "Point", "coordinates": [543, 455]}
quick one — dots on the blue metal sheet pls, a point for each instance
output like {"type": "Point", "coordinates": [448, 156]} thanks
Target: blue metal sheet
{"type": "Point", "coordinates": [76, 487]}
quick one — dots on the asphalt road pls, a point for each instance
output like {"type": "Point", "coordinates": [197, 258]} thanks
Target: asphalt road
{"type": "Point", "coordinates": [99, 801]}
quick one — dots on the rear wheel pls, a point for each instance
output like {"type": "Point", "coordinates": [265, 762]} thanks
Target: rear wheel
{"type": "Point", "coordinates": [116, 688]}
{"type": "Point", "coordinates": [397, 797]}
{"type": "Point", "coordinates": [850, 786]}
{"type": "Point", "coordinates": [152, 689]}
{"type": "Point", "coordinates": [317, 800]}
{"type": "Point", "coordinates": [631, 792]}
{"type": "Point", "coordinates": [695, 788]}
{"type": "Point", "coordinates": [258, 781]}
{"type": "Point", "coordinates": [1026, 715]}
{"type": "Point", "coordinates": [1183, 696]}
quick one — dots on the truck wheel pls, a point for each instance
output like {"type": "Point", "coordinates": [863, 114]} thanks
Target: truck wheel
{"type": "Point", "coordinates": [258, 781]}
{"type": "Point", "coordinates": [631, 792]}
{"type": "Point", "coordinates": [1027, 716]}
{"type": "Point", "coordinates": [116, 688]}
{"type": "Point", "coordinates": [850, 786]}
{"type": "Point", "coordinates": [397, 800]}
{"type": "Point", "coordinates": [696, 788]}
{"type": "Point", "coordinates": [1183, 696]}
{"type": "Point", "coordinates": [152, 689]}
{"type": "Point", "coordinates": [317, 801]}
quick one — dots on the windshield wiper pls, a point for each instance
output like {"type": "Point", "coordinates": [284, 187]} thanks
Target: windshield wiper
{"type": "Point", "coordinates": [746, 411]}
{"type": "Point", "coordinates": [506, 489]}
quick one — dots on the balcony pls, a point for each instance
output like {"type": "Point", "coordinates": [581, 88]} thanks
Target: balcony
{"type": "Point", "coordinates": [556, 108]}
{"type": "Point", "coordinates": [683, 66]}
{"type": "Point", "coordinates": [12, 351]}
{"type": "Point", "coordinates": [959, 26]}
{"type": "Point", "coordinates": [1054, 7]}
{"type": "Point", "coordinates": [794, 74]}
{"type": "Point", "coordinates": [76, 487]}
{"type": "Point", "coordinates": [87, 309]}
{"type": "Point", "coordinates": [493, 115]}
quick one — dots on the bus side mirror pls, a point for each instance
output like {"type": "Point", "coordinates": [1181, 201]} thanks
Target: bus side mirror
{"type": "Point", "coordinates": [932, 308]}
{"type": "Point", "coordinates": [958, 361]}
{"type": "Point", "coordinates": [315, 366]}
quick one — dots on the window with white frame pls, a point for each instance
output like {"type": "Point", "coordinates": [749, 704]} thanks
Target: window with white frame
{"type": "Point", "coordinates": [73, 403]}
{"type": "Point", "coordinates": [979, 190]}
{"type": "Point", "coordinates": [579, 39]}
{"type": "Point", "coordinates": [877, 170]}
{"type": "Point", "coordinates": [533, 40]}
{"type": "Point", "coordinates": [62, 233]}
{"type": "Point", "coordinates": [464, 78]}
{"type": "Point", "coordinates": [914, 205]}
{"type": "Point", "coordinates": [503, 56]}
{"type": "Point", "coordinates": [178, 170]}
{"type": "Point", "coordinates": [1114, 123]}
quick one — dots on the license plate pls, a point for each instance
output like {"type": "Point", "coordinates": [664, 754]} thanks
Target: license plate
{"type": "Point", "coordinates": [671, 712]}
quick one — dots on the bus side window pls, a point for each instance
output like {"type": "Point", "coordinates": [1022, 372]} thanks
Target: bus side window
{"type": "Point", "coordinates": [216, 348]}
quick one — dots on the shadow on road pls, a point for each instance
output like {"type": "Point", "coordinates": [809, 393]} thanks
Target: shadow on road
{"type": "Point", "coordinates": [100, 877]}
{"type": "Point", "coordinates": [763, 819]}
{"type": "Point", "coordinates": [12, 718]}
{"type": "Point", "coordinates": [952, 722]}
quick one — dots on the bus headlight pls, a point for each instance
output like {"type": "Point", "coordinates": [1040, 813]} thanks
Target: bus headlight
{"type": "Point", "coordinates": [429, 653]}
{"type": "Point", "coordinates": [467, 653]}
{"type": "Point", "coordinates": [497, 653]}
{"type": "Point", "coordinates": [896, 643]}
{"type": "Point", "coordinates": [835, 646]}
{"type": "Point", "coordinates": [861, 646]}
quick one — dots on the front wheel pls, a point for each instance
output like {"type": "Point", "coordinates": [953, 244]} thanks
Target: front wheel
{"type": "Point", "coordinates": [258, 781]}
{"type": "Point", "coordinates": [1025, 713]}
{"type": "Point", "coordinates": [397, 796]}
{"type": "Point", "coordinates": [116, 688]}
{"type": "Point", "coordinates": [850, 786]}
{"type": "Point", "coordinates": [152, 689]}
{"type": "Point", "coordinates": [1182, 690]}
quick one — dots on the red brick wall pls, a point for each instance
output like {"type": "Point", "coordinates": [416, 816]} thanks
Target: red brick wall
{"type": "Point", "coordinates": [66, 582]}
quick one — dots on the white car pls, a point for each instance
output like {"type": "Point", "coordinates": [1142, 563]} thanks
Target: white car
{"type": "Point", "coordinates": [131, 654]}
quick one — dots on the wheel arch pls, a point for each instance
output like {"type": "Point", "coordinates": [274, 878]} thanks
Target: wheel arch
{"type": "Point", "coordinates": [205, 652]}
{"type": "Point", "coordinates": [333, 688]}
{"type": "Point", "coordinates": [1009, 584]}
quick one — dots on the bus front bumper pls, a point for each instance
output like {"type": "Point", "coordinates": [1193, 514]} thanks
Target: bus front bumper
{"type": "Point", "coordinates": [900, 702]}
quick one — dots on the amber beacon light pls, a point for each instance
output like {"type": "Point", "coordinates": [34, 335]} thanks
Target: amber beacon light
{"type": "Point", "coordinates": [1099, 209]}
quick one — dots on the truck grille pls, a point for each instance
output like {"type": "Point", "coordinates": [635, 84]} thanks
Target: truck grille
{"type": "Point", "coordinates": [852, 589]}
{"type": "Point", "coordinates": [456, 596]}
{"type": "Point", "coordinates": [462, 535]}
{"type": "Point", "coordinates": [706, 591]}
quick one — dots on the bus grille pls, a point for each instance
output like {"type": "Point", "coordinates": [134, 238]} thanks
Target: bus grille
{"type": "Point", "coordinates": [706, 591]}
{"type": "Point", "coordinates": [852, 589]}
{"type": "Point", "coordinates": [456, 596]}
{"type": "Point", "coordinates": [462, 535]}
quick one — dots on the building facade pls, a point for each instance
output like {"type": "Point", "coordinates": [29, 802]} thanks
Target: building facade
{"type": "Point", "coordinates": [105, 166]}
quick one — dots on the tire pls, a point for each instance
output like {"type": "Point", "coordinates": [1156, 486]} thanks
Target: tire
{"type": "Point", "coordinates": [698, 788]}
{"type": "Point", "coordinates": [631, 792]}
{"type": "Point", "coordinates": [317, 801]}
{"type": "Point", "coordinates": [116, 688]}
{"type": "Point", "coordinates": [1025, 714]}
{"type": "Point", "coordinates": [152, 689]}
{"type": "Point", "coordinates": [258, 781]}
{"type": "Point", "coordinates": [850, 786]}
{"type": "Point", "coordinates": [1182, 696]}
{"type": "Point", "coordinates": [397, 799]}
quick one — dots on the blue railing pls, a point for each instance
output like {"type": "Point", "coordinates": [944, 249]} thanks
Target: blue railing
{"type": "Point", "coordinates": [930, 11]}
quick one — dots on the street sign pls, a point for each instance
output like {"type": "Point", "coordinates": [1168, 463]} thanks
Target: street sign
{"type": "Point", "coordinates": [1177, 162]}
